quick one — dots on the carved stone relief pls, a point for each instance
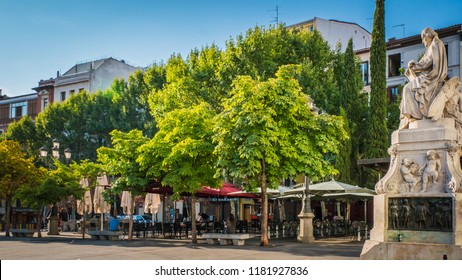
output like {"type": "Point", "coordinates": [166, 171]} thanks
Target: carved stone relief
{"type": "Point", "coordinates": [426, 177]}
{"type": "Point", "coordinates": [421, 214]}
{"type": "Point", "coordinates": [410, 174]}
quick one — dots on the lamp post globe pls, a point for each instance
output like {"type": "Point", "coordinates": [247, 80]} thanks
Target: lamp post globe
{"type": "Point", "coordinates": [67, 154]}
{"type": "Point", "coordinates": [43, 152]}
{"type": "Point", "coordinates": [53, 221]}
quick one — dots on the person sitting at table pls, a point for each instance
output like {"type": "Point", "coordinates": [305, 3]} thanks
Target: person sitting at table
{"type": "Point", "coordinates": [202, 217]}
{"type": "Point", "coordinates": [231, 224]}
{"type": "Point", "coordinates": [113, 224]}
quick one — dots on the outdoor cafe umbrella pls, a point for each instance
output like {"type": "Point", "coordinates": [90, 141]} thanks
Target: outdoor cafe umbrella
{"type": "Point", "coordinates": [351, 196]}
{"type": "Point", "coordinates": [84, 206]}
{"type": "Point", "coordinates": [326, 190]}
{"type": "Point", "coordinates": [126, 203]}
{"type": "Point", "coordinates": [99, 204]}
{"type": "Point", "coordinates": [322, 188]}
{"type": "Point", "coordinates": [257, 193]}
{"type": "Point", "coordinates": [152, 204]}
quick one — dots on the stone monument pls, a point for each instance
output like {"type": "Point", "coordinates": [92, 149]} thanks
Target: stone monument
{"type": "Point", "coordinates": [418, 209]}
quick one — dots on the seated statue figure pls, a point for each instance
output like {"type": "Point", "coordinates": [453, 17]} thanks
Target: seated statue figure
{"type": "Point", "coordinates": [426, 79]}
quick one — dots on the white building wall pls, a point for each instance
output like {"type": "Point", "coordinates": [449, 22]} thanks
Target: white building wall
{"type": "Point", "coordinates": [335, 31]}
{"type": "Point", "coordinates": [67, 89]}
{"type": "Point", "coordinates": [103, 76]}
{"type": "Point", "coordinates": [100, 78]}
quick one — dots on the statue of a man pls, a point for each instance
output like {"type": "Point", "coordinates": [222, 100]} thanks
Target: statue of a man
{"type": "Point", "coordinates": [426, 79]}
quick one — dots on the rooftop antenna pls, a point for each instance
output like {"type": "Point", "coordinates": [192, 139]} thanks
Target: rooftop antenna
{"type": "Point", "coordinates": [275, 19]}
{"type": "Point", "coordinates": [404, 28]}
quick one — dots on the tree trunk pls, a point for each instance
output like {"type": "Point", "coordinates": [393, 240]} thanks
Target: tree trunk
{"type": "Point", "coordinates": [8, 216]}
{"type": "Point", "coordinates": [130, 222]}
{"type": "Point", "coordinates": [193, 220]}
{"type": "Point", "coordinates": [39, 223]}
{"type": "Point", "coordinates": [264, 207]}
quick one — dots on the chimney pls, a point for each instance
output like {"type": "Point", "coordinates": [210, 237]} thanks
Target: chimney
{"type": "Point", "coordinates": [57, 74]}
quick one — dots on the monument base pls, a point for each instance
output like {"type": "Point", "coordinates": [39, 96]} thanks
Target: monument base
{"type": "Point", "coordinates": [374, 250]}
{"type": "Point", "coordinates": [306, 228]}
{"type": "Point", "coordinates": [53, 224]}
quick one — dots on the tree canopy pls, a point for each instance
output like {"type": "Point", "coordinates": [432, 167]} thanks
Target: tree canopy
{"type": "Point", "coordinates": [269, 130]}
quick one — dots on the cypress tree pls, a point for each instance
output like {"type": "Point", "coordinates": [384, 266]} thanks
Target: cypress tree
{"type": "Point", "coordinates": [342, 160]}
{"type": "Point", "coordinates": [378, 141]}
{"type": "Point", "coordinates": [355, 110]}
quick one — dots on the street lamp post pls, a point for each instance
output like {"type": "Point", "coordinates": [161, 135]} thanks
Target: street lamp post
{"type": "Point", "coordinates": [306, 217]}
{"type": "Point", "coordinates": [53, 221]}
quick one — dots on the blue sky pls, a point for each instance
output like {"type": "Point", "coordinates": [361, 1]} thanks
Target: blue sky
{"type": "Point", "coordinates": [39, 38]}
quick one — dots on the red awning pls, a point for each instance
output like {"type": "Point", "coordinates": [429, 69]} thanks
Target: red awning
{"type": "Point", "coordinates": [224, 191]}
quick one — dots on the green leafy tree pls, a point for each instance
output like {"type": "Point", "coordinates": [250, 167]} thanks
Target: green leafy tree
{"type": "Point", "coordinates": [25, 132]}
{"type": "Point", "coordinates": [57, 184]}
{"type": "Point", "coordinates": [355, 106]}
{"type": "Point", "coordinates": [16, 171]}
{"type": "Point", "coordinates": [120, 160]}
{"type": "Point", "coordinates": [377, 136]}
{"type": "Point", "coordinates": [89, 170]}
{"type": "Point", "coordinates": [342, 160]}
{"type": "Point", "coordinates": [179, 91]}
{"type": "Point", "coordinates": [181, 153]}
{"type": "Point", "coordinates": [261, 52]}
{"type": "Point", "coordinates": [268, 131]}
{"type": "Point", "coordinates": [393, 114]}
{"type": "Point", "coordinates": [131, 100]}
{"type": "Point", "coordinates": [378, 133]}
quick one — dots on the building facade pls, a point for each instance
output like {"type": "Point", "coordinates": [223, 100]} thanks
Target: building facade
{"type": "Point", "coordinates": [14, 108]}
{"type": "Point", "coordinates": [89, 76]}
{"type": "Point", "coordinates": [335, 31]}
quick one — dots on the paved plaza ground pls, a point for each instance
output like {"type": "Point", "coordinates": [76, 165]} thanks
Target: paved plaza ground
{"type": "Point", "coordinates": [71, 246]}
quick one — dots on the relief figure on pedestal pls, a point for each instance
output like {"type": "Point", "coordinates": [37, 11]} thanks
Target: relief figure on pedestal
{"type": "Point", "coordinates": [430, 169]}
{"type": "Point", "coordinates": [410, 172]}
{"type": "Point", "coordinates": [421, 213]}
{"type": "Point", "coordinates": [394, 215]}
{"type": "Point", "coordinates": [405, 212]}
{"type": "Point", "coordinates": [438, 217]}
{"type": "Point", "coordinates": [447, 210]}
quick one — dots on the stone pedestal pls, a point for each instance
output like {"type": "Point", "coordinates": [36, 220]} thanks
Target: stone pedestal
{"type": "Point", "coordinates": [418, 209]}
{"type": "Point", "coordinates": [53, 223]}
{"type": "Point", "coordinates": [306, 228]}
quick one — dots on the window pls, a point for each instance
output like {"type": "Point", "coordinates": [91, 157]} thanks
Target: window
{"type": "Point", "coordinates": [365, 72]}
{"type": "Point", "coordinates": [394, 63]}
{"type": "Point", "coordinates": [18, 109]}
{"type": "Point", "coordinates": [44, 103]}
{"type": "Point", "coordinates": [81, 89]}
{"type": "Point", "coordinates": [393, 93]}
{"type": "Point", "coordinates": [63, 95]}
{"type": "Point", "coordinates": [446, 47]}
{"type": "Point", "coordinates": [71, 92]}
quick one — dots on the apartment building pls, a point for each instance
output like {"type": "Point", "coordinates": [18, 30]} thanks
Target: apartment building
{"type": "Point", "coordinates": [335, 31]}
{"type": "Point", "coordinates": [14, 108]}
{"type": "Point", "coordinates": [401, 51]}
{"type": "Point", "coordinates": [89, 76]}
